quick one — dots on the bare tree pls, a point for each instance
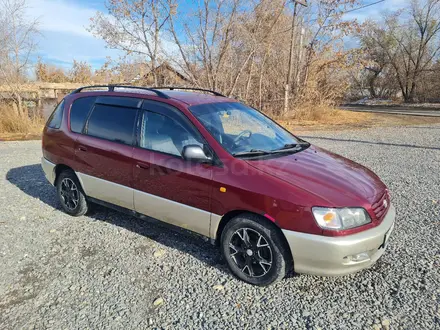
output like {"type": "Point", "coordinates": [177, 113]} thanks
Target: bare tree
{"type": "Point", "coordinates": [410, 45]}
{"type": "Point", "coordinates": [134, 26]}
{"type": "Point", "coordinates": [222, 41]}
{"type": "Point", "coordinates": [17, 43]}
{"type": "Point", "coordinates": [203, 49]}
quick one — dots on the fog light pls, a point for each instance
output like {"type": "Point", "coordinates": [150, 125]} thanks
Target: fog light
{"type": "Point", "coordinates": [363, 256]}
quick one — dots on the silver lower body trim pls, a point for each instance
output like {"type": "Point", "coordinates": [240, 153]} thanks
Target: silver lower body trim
{"type": "Point", "coordinates": [49, 170]}
{"type": "Point", "coordinates": [107, 191]}
{"type": "Point", "coordinates": [163, 209]}
{"type": "Point", "coordinates": [174, 213]}
{"type": "Point", "coordinates": [215, 222]}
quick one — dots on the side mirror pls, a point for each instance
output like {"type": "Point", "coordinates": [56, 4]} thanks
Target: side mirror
{"type": "Point", "coordinates": [195, 153]}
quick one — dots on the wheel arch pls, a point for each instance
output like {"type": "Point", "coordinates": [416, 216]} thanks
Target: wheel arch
{"type": "Point", "coordinates": [61, 168]}
{"type": "Point", "coordinates": [234, 213]}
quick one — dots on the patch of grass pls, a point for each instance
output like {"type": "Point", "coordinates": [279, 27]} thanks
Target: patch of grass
{"type": "Point", "coordinates": [13, 124]}
{"type": "Point", "coordinates": [343, 120]}
{"type": "Point", "coordinates": [338, 117]}
{"type": "Point", "coordinates": [326, 118]}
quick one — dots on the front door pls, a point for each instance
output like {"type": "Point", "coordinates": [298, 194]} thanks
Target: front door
{"type": "Point", "coordinates": [166, 186]}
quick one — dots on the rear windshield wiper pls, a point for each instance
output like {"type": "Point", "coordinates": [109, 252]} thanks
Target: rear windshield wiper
{"type": "Point", "coordinates": [252, 152]}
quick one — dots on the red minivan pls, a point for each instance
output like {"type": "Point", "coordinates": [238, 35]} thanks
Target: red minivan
{"type": "Point", "coordinates": [210, 164]}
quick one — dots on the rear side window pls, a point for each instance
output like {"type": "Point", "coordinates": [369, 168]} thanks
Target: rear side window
{"type": "Point", "coordinates": [56, 117]}
{"type": "Point", "coordinates": [79, 113]}
{"type": "Point", "coordinates": [112, 123]}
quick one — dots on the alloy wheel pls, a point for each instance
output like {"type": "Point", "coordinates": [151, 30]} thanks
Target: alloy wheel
{"type": "Point", "coordinates": [251, 252]}
{"type": "Point", "coordinates": [69, 193]}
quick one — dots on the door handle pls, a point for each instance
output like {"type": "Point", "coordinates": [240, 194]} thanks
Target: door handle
{"type": "Point", "coordinates": [82, 148]}
{"type": "Point", "coordinates": [143, 166]}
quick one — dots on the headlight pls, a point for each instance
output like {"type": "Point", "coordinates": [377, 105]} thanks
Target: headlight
{"type": "Point", "coordinates": [338, 219]}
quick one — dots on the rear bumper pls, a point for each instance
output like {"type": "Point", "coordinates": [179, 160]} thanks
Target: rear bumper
{"type": "Point", "coordinates": [327, 256]}
{"type": "Point", "coordinates": [48, 169]}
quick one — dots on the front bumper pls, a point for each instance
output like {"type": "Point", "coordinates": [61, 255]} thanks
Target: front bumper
{"type": "Point", "coordinates": [49, 170]}
{"type": "Point", "coordinates": [327, 256]}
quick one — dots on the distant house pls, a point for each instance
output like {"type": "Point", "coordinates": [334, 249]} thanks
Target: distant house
{"type": "Point", "coordinates": [166, 76]}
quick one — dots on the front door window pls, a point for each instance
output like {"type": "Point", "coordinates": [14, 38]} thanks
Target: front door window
{"type": "Point", "coordinates": [167, 135]}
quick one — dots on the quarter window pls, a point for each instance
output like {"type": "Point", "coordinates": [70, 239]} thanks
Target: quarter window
{"type": "Point", "coordinates": [164, 134]}
{"type": "Point", "coordinates": [79, 112]}
{"type": "Point", "coordinates": [112, 123]}
{"type": "Point", "coordinates": [56, 117]}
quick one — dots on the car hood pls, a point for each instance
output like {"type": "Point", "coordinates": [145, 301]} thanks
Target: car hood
{"type": "Point", "coordinates": [336, 180]}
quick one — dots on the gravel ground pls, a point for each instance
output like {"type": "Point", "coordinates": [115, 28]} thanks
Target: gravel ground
{"type": "Point", "coordinates": [108, 270]}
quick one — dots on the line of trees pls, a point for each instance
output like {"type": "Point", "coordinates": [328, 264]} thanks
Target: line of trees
{"type": "Point", "coordinates": [401, 53]}
{"type": "Point", "coordinates": [124, 70]}
{"type": "Point", "coordinates": [238, 47]}
{"type": "Point", "coordinates": [242, 48]}
{"type": "Point", "coordinates": [81, 72]}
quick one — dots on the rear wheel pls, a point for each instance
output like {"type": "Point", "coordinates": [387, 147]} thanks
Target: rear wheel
{"type": "Point", "coordinates": [70, 194]}
{"type": "Point", "coordinates": [254, 250]}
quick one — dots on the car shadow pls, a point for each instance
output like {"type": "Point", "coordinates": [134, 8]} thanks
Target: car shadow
{"type": "Point", "coordinates": [371, 142]}
{"type": "Point", "coordinates": [31, 180]}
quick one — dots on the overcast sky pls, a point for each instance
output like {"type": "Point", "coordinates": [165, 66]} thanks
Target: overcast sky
{"type": "Point", "coordinates": [65, 37]}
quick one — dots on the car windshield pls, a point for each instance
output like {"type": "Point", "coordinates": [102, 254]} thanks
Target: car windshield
{"type": "Point", "coordinates": [244, 131]}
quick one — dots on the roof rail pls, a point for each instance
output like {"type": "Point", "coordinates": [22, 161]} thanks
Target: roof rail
{"type": "Point", "coordinates": [111, 88]}
{"type": "Point", "coordinates": [171, 88]}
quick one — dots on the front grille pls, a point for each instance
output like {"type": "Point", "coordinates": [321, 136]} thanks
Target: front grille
{"type": "Point", "coordinates": [379, 208]}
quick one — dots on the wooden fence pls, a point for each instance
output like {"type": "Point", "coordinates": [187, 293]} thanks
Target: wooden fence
{"type": "Point", "coordinates": [42, 96]}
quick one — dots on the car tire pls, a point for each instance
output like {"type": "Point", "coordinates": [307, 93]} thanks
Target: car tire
{"type": "Point", "coordinates": [255, 250]}
{"type": "Point", "coordinates": [70, 194]}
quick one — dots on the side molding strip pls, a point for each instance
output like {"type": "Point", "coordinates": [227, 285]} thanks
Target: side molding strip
{"type": "Point", "coordinates": [181, 215]}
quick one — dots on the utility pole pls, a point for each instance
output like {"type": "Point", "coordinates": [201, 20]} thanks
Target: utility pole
{"type": "Point", "coordinates": [292, 47]}
{"type": "Point", "coordinates": [298, 63]}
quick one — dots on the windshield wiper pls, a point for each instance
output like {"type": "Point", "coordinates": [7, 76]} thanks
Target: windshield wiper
{"type": "Point", "coordinates": [252, 152]}
{"type": "Point", "coordinates": [292, 146]}
{"type": "Point", "coordinates": [288, 146]}
{"type": "Point", "coordinates": [259, 152]}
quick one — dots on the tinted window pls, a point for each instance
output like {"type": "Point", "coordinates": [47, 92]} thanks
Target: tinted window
{"type": "Point", "coordinates": [56, 117]}
{"type": "Point", "coordinates": [79, 112]}
{"type": "Point", "coordinates": [129, 102]}
{"type": "Point", "coordinates": [112, 123]}
{"type": "Point", "coordinates": [164, 134]}
{"type": "Point", "coordinates": [239, 128]}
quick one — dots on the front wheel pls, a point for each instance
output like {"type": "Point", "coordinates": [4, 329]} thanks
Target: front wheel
{"type": "Point", "coordinates": [254, 250]}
